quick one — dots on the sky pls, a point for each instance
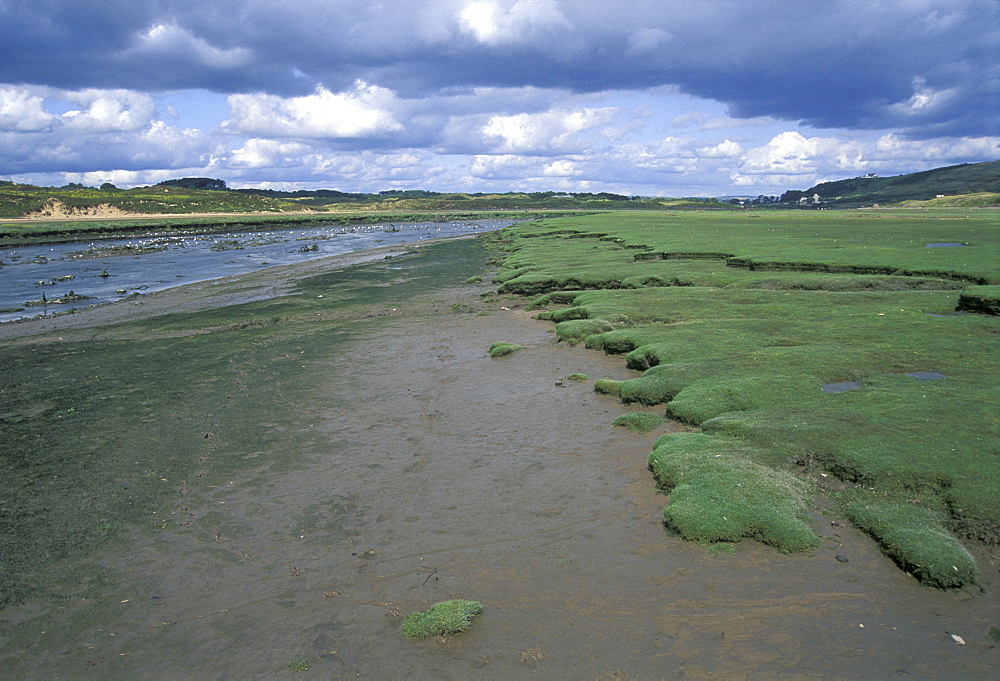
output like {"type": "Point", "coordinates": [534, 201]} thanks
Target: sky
{"type": "Point", "coordinates": [639, 97]}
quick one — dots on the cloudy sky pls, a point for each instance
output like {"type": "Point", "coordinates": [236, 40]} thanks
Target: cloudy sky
{"type": "Point", "coordinates": [650, 97]}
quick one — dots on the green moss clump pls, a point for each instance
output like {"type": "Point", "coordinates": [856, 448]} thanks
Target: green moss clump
{"type": "Point", "coordinates": [474, 280]}
{"type": "Point", "coordinates": [577, 330]}
{"type": "Point", "coordinates": [504, 349]}
{"type": "Point", "coordinates": [578, 377]}
{"type": "Point", "coordinates": [442, 619]}
{"type": "Point", "coordinates": [639, 421]}
{"type": "Point", "coordinates": [914, 536]}
{"type": "Point", "coordinates": [717, 494]}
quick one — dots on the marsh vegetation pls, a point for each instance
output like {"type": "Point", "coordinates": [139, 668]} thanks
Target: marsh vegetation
{"type": "Point", "coordinates": [739, 325]}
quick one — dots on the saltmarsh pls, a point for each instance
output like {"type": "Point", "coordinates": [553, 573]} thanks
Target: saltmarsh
{"type": "Point", "coordinates": [738, 320]}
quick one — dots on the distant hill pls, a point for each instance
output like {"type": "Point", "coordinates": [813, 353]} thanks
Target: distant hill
{"type": "Point", "coordinates": [968, 178]}
{"type": "Point", "coordinates": [207, 195]}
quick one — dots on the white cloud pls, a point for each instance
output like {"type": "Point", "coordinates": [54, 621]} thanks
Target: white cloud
{"type": "Point", "coordinates": [925, 99]}
{"type": "Point", "coordinates": [792, 159]}
{"type": "Point", "coordinates": [21, 110]}
{"type": "Point", "coordinates": [944, 150]}
{"type": "Point", "coordinates": [488, 22]}
{"type": "Point", "coordinates": [548, 131]}
{"type": "Point", "coordinates": [509, 166]}
{"type": "Point", "coordinates": [109, 111]}
{"type": "Point", "coordinates": [724, 149]}
{"type": "Point", "coordinates": [361, 112]}
{"type": "Point", "coordinates": [563, 168]}
{"type": "Point", "coordinates": [170, 40]}
{"type": "Point", "coordinates": [261, 153]}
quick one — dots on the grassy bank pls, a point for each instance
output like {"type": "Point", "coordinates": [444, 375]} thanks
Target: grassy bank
{"type": "Point", "coordinates": [119, 429]}
{"type": "Point", "coordinates": [816, 349]}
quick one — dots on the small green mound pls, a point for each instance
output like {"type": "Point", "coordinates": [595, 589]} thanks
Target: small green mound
{"type": "Point", "coordinates": [578, 377]}
{"type": "Point", "coordinates": [717, 494]}
{"type": "Point", "coordinates": [504, 349]}
{"type": "Point", "coordinates": [639, 421]}
{"type": "Point", "coordinates": [577, 330]}
{"type": "Point", "coordinates": [608, 386]}
{"type": "Point", "coordinates": [443, 619]}
{"type": "Point", "coordinates": [705, 399]}
{"type": "Point", "coordinates": [568, 313]}
{"type": "Point", "coordinates": [981, 299]}
{"type": "Point", "coordinates": [914, 536]}
{"type": "Point", "coordinates": [474, 280]}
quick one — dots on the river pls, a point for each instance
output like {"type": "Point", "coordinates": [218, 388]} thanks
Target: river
{"type": "Point", "coordinates": [50, 278]}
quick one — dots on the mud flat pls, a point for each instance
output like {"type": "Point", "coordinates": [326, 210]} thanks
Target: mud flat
{"type": "Point", "coordinates": [375, 460]}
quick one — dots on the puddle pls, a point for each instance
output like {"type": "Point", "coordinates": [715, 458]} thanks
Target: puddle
{"type": "Point", "coordinates": [841, 387]}
{"type": "Point", "coordinates": [925, 375]}
{"type": "Point", "coordinates": [945, 244]}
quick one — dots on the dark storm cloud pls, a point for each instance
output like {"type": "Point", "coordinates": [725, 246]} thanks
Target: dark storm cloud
{"type": "Point", "coordinates": [921, 67]}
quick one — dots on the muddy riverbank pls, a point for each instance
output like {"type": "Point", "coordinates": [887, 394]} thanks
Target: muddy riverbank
{"type": "Point", "coordinates": [426, 471]}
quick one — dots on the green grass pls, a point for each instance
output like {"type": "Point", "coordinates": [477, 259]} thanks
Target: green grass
{"type": "Point", "coordinates": [442, 619]}
{"type": "Point", "coordinates": [719, 494]}
{"type": "Point", "coordinates": [744, 317]}
{"type": "Point", "coordinates": [917, 538]}
{"type": "Point", "coordinates": [639, 421]}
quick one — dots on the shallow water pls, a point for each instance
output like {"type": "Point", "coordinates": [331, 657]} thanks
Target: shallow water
{"type": "Point", "coordinates": [841, 387]}
{"type": "Point", "coordinates": [53, 270]}
{"type": "Point", "coordinates": [926, 375]}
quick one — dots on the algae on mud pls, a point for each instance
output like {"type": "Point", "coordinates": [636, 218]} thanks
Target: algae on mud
{"type": "Point", "coordinates": [442, 619]}
{"type": "Point", "coordinates": [738, 321]}
{"type": "Point", "coordinates": [106, 432]}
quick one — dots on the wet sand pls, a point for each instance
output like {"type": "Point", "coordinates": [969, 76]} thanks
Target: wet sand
{"type": "Point", "coordinates": [459, 476]}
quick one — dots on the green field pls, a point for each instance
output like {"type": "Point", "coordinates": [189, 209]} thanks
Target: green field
{"type": "Point", "coordinates": [820, 355]}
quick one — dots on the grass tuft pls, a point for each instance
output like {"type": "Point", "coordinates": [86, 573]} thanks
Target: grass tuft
{"type": "Point", "coordinates": [442, 619]}
{"type": "Point", "coordinates": [577, 330]}
{"type": "Point", "coordinates": [717, 494]}
{"type": "Point", "coordinates": [915, 537]}
{"type": "Point", "coordinates": [504, 349]}
{"type": "Point", "coordinates": [639, 421]}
